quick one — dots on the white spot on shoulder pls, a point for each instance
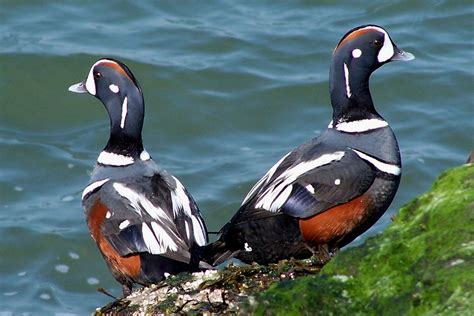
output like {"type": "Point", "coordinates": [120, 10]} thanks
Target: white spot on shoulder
{"type": "Point", "coordinates": [356, 53]}
{"type": "Point", "coordinates": [124, 224]}
{"type": "Point", "coordinates": [144, 156]}
{"type": "Point", "coordinates": [346, 76]}
{"type": "Point", "coordinates": [310, 188]}
{"type": "Point", "coordinates": [337, 181]}
{"type": "Point", "coordinates": [247, 247]}
{"type": "Point", "coordinates": [124, 112]}
{"type": "Point", "coordinates": [108, 214]}
{"type": "Point", "coordinates": [111, 159]}
{"type": "Point", "coordinates": [93, 186]}
{"type": "Point", "coordinates": [114, 88]}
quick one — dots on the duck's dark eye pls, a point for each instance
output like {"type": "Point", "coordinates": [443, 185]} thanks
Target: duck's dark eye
{"type": "Point", "coordinates": [97, 75]}
{"type": "Point", "coordinates": [377, 43]}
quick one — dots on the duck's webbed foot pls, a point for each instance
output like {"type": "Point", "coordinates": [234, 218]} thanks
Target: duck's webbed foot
{"type": "Point", "coordinates": [322, 254]}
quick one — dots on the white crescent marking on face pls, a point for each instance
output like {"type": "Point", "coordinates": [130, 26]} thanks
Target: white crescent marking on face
{"type": "Point", "coordinates": [387, 50]}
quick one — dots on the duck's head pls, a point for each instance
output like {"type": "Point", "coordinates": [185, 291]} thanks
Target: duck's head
{"type": "Point", "coordinates": [112, 82]}
{"type": "Point", "coordinates": [360, 52]}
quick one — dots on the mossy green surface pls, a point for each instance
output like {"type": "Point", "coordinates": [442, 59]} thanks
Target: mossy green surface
{"type": "Point", "coordinates": [422, 264]}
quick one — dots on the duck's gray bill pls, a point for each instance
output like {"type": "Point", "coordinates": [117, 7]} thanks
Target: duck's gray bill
{"type": "Point", "coordinates": [402, 55]}
{"type": "Point", "coordinates": [78, 88]}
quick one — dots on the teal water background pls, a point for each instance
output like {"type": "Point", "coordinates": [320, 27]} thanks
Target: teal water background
{"type": "Point", "coordinates": [229, 86]}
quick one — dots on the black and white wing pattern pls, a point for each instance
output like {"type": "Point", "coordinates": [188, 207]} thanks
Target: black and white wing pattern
{"type": "Point", "coordinates": [311, 179]}
{"type": "Point", "coordinates": [155, 215]}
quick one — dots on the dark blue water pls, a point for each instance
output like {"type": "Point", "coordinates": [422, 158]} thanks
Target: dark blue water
{"type": "Point", "coordinates": [229, 89]}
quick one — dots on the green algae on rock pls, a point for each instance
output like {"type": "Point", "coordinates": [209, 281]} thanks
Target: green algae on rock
{"type": "Point", "coordinates": [422, 264]}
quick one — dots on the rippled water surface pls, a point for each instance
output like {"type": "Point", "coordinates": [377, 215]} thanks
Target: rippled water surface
{"type": "Point", "coordinates": [229, 89]}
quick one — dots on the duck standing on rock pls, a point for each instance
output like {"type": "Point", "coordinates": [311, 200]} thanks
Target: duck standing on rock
{"type": "Point", "coordinates": [143, 220]}
{"type": "Point", "coordinates": [326, 192]}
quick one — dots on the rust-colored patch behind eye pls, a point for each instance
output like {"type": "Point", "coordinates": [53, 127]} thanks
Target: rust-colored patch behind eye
{"type": "Point", "coordinates": [116, 67]}
{"type": "Point", "coordinates": [354, 35]}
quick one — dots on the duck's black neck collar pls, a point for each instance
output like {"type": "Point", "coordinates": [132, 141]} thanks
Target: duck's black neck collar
{"type": "Point", "coordinates": [350, 94]}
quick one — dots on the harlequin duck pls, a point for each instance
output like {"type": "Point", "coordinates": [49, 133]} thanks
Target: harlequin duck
{"type": "Point", "coordinates": [143, 220]}
{"type": "Point", "coordinates": [326, 192]}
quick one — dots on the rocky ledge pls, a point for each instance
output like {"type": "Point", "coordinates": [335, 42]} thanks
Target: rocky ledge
{"type": "Point", "coordinates": [423, 263]}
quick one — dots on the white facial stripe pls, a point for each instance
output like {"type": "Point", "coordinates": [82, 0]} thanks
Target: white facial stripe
{"type": "Point", "coordinates": [346, 76]}
{"type": "Point", "coordinates": [144, 155]}
{"type": "Point", "coordinates": [124, 112]}
{"type": "Point", "coordinates": [387, 50]}
{"type": "Point", "coordinates": [198, 231]}
{"type": "Point", "coordinates": [114, 88]}
{"type": "Point", "coordinates": [274, 197]}
{"type": "Point", "coordinates": [140, 203]}
{"type": "Point", "coordinates": [265, 178]}
{"type": "Point", "coordinates": [93, 186]}
{"type": "Point", "coordinates": [382, 166]}
{"type": "Point", "coordinates": [361, 125]}
{"type": "Point", "coordinates": [356, 53]}
{"type": "Point", "coordinates": [111, 159]}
